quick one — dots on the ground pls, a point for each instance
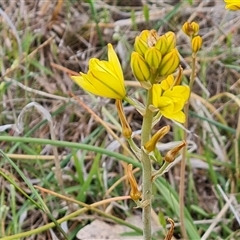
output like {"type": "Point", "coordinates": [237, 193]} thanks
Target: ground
{"type": "Point", "coordinates": [73, 158]}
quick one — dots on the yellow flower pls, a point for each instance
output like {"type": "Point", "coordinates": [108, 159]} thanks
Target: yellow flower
{"type": "Point", "coordinates": [232, 4]}
{"type": "Point", "coordinates": [104, 78]}
{"type": "Point", "coordinates": [171, 102]}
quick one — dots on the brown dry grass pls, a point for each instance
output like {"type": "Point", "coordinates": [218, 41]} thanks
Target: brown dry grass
{"type": "Point", "coordinates": [59, 37]}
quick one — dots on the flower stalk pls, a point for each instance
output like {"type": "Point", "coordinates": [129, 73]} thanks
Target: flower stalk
{"type": "Point", "coordinates": [147, 171]}
{"type": "Point", "coordinates": [196, 45]}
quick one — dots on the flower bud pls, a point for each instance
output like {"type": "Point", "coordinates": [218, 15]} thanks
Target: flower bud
{"type": "Point", "coordinates": [169, 63]}
{"type": "Point", "coordinates": [151, 144]}
{"type": "Point", "coordinates": [190, 29]}
{"type": "Point", "coordinates": [135, 194]}
{"type": "Point", "coordinates": [141, 42]}
{"type": "Point", "coordinates": [196, 44]}
{"type": "Point", "coordinates": [171, 41]}
{"type": "Point", "coordinates": [153, 57]}
{"type": "Point", "coordinates": [162, 45]}
{"type": "Point", "coordinates": [171, 155]}
{"type": "Point", "coordinates": [139, 67]}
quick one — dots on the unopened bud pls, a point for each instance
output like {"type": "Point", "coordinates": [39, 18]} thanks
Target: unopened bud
{"type": "Point", "coordinates": [151, 144]}
{"type": "Point", "coordinates": [196, 44]}
{"type": "Point", "coordinates": [153, 57]}
{"type": "Point", "coordinates": [171, 40]}
{"type": "Point", "coordinates": [139, 67]}
{"type": "Point", "coordinates": [135, 194]}
{"type": "Point", "coordinates": [162, 45]}
{"type": "Point", "coordinates": [169, 63]}
{"type": "Point", "coordinates": [171, 155]}
{"type": "Point", "coordinates": [141, 42]}
{"type": "Point", "coordinates": [190, 29]}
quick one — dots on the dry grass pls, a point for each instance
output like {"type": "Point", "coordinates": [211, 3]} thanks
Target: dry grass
{"type": "Point", "coordinates": [43, 42]}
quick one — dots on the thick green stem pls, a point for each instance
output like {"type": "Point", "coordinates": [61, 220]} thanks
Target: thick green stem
{"type": "Point", "coordinates": [147, 171]}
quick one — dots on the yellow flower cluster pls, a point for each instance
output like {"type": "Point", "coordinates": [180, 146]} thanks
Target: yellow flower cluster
{"type": "Point", "coordinates": [155, 57]}
{"type": "Point", "coordinates": [154, 60]}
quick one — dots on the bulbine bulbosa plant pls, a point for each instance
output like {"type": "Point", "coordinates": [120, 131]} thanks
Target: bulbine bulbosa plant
{"type": "Point", "coordinates": [155, 63]}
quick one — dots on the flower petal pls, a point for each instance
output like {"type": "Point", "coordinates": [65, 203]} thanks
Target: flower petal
{"type": "Point", "coordinates": [85, 83]}
{"type": "Point", "coordinates": [232, 4]}
{"type": "Point", "coordinates": [179, 92]}
{"type": "Point", "coordinates": [167, 82]}
{"type": "Point", "coordinates": [114, 61]}
{"type": "Point", "coordinates": [179, 116]}
{"type": "Point", "coordinates": [166, 104]}
{"type": "Point", "coordinates": [109, 86]}
{"type": "Point", "coordinates": [156, 93]}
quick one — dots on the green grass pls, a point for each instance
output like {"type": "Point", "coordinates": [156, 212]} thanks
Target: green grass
{"type": "Point", "coordinates": [91, 160]}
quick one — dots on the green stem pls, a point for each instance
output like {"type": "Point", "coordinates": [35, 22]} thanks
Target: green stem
{"type": "Point", "coordinates": [184, 155]}
{"type": "Point", "coordinates": [66, 144]}
{"type": "Point", "coordinates": [161, 170]}
{"type": "Point", "coordinates": [147, 171]}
